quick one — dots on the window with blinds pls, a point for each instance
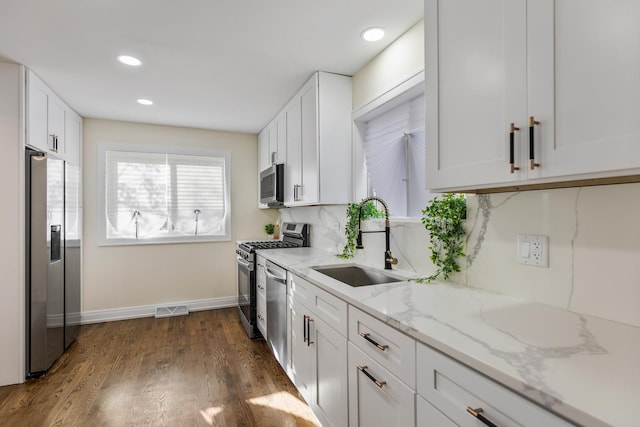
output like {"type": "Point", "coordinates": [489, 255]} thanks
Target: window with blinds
{"type": "Point", "coordinates": [394, 149]}
{"type": "Point", "coordinates": [155, 196]}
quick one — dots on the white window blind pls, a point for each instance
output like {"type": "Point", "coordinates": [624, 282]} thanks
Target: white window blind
{"type": "Point", "coordinates": [165, 196]}
{"type": "Point", "coordinates": [394, 148]}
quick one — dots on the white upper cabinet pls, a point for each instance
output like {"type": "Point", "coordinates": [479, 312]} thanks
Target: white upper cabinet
{"type": "Point", "coordinates": [322, 160]}
{"type": "Point", "coordinates": [314, 133]}
{"type": "Point", "coordinates": [38, 114]}
{"type": "Point", "coordinates": [475, 70]}
{"type": "Point", "coordinates": [566, 80]}
{"type": "Point", "coordinates": [596, 104]}
{"type": "Point", "coordinates": [264, 155]}
{"type": "Point", "coordinates": [73, 137]}
{"type": "Point", "coordinates": [52, 126]}
{"type": "Point", "coordinates": [293, 168]}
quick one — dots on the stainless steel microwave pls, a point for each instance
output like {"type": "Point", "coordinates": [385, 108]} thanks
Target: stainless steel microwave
{"type": "Point", "coordinates": [272, 185]}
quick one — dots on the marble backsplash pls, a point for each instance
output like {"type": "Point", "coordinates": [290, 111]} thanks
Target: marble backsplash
{"type": "Point", "coordinates": [409, 238]}
{"type": "Point", "coordinates": [594, 246]}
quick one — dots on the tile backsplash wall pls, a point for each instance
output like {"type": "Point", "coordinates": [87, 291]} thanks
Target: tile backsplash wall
{"type": "Point", "coordinates": [594, 246]}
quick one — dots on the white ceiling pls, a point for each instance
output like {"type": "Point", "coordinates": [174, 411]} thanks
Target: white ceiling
{"type": "Point", "coordinates": [227, 65]}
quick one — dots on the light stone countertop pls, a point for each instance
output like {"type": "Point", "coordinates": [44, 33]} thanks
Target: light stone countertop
{"type": "Point", "coordinates": [581, 367]}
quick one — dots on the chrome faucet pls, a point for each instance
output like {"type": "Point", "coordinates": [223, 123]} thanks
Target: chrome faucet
{"type": "Point", "coordinates": [388, 257]}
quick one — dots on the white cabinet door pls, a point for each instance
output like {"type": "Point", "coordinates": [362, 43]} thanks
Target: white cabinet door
{"type": "Point", "coordinates": [273, 142]}
{"type": "Point", "coordinates": [475, 66]}
{"type": "Point", "coordinates": [376, 397]}
{"type": "Point", "coordinates": [330, 395]}
{"type": "Point", "coordinates": [301, 352]}
{"type": "Point", "coordinates": [293, 167]}
{"type": "Point", "coordinates": [56, 120]}
{"type": "Point", "coordinates": [318, 360]}
{"type": "Point", "coordinates": [309, 190]}
{"type": "Point", "coordinates": [264, 159]}
{"type": "Point", "coordinates": [281, 140]}
{"type": "Point", "coordinates": [37, 114]}
{"type": "Point", "coordinates": [597, 90]}
{"type": "Point", "coordinates": [73, 137]}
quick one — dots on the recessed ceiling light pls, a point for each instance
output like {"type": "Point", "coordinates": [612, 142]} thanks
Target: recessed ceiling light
{"type": "Point", "coordinates": [145, 101]}
{"type": "Point", "coordinates": [129, 60]}
{"type": "Point", "coordinates": [373, 34]}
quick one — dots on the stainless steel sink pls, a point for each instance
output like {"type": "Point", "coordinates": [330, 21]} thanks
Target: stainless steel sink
{"type": "Point", "coordinates": [354, 275]}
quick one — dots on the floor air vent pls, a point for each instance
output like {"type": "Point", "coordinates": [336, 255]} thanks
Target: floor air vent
{"type": "Point", "coordinates": [172, 310]}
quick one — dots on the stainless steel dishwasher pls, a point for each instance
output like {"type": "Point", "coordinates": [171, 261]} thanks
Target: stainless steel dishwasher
{"type": "Point", "coordinates": [277, 311]}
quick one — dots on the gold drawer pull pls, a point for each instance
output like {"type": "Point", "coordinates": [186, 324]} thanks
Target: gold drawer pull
{"type": "Point", "coordinates": [367, 337]}
{"type": "Point", "coordinates": [363, 369]}
{"type": "Point", "coordinates": [477, 412]}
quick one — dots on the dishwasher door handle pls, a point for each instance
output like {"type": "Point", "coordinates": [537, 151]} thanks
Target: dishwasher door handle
{"type": "Point", "coordinates": [272, 276]}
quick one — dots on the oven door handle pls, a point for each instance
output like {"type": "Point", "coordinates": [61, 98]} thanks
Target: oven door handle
{"type": "Point", "coordinates": [270, 275]}
{"type": "Point", "coordinates": [245, 264]}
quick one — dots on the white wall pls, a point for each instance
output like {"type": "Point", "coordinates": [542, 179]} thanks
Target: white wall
{"type": "Point", "coordinates": [400, 61]}
{"type": "Point", "coordinates": [12, 249]}
{"type": "Point", "coordinates": [116, 277]}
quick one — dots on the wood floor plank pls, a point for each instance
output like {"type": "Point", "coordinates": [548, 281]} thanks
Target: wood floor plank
{"type": "Point", "coordinates": [194, 370]}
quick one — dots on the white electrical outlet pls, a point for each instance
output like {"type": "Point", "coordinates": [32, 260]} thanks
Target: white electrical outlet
{"type": "Point", "coordinates": [533, 250]}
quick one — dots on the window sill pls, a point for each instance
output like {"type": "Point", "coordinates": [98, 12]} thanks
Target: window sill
{"type": "Point", "coordinates": [163, 241]}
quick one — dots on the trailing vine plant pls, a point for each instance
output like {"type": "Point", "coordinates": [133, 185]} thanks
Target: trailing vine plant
{"type": "Point", "coordinates": [443, 219]}
{"type": "Point", "coordinates": [369, 210]}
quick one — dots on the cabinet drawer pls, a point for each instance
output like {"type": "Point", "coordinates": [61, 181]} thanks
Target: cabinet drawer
{"type": "Point", "coordinates": [453, 387]}
{"type": "Point", "coordinates": [388, 403]}
{"type": "Point", "coordinates": [428, 416]}
{"type": "Point", "coordinates": [397, 352]}
{"type": "Point", "coordinates": [330, 309]}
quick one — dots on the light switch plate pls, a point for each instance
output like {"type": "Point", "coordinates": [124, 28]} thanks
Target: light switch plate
{"type": "Point", "coordinates": [533, 250]}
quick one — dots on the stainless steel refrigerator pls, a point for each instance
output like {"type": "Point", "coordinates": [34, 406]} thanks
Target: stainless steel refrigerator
{"type": "Point", "coordinates": [52, 276]}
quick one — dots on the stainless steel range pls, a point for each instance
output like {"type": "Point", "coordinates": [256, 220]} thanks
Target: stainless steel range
{"type": "Point", "coordinates": [294, 235]}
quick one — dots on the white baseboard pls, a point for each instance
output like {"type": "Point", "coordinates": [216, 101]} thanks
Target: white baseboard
{"type": "Point", "coordinates": [98, 316]}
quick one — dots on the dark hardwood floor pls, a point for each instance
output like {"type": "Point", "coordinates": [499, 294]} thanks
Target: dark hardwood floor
{"type": "Point", "coordinates": [195, 370]}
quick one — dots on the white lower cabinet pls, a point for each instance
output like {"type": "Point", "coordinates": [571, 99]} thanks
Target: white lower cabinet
{"type": "Point", "coordinates": [319, 363]}
{"type": "Point", "coordinates": [355, 370]}
{"type": "Point", "coordinates": [454, 388]}
{"type": "Point", "coordinates": [428, 416]}
{"type": "Point", "coordinates": [376, 396]}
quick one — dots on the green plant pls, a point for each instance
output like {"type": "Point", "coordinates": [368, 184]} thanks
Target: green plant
{"type": "Point", "coordinates": [269, 228]}
{"type": "Point", "coordinates": [443, 219]}
{"type": "Point", "coordinates": [369, 210]}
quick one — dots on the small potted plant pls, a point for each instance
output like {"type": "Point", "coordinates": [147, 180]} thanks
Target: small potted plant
{"type": "Point", "coordinates": [269, 229]}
